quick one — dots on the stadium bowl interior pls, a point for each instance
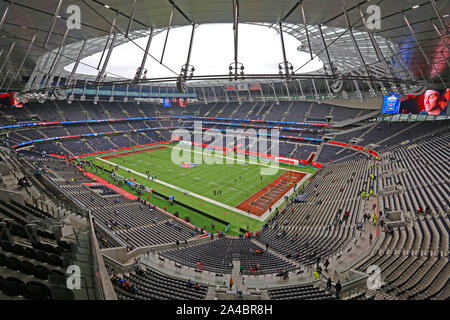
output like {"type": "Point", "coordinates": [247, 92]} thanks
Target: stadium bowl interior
{"type": "Point", "coordinates": [137, 163]}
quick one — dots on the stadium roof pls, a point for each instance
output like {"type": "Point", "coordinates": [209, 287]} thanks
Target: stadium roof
{"type": "Point", "coordinates": [411, 44]}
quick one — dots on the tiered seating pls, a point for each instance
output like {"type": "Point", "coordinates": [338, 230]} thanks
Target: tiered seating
{"type": "Point", "coordinates": [129, 221]}
{"type": "Point", "coordinates": [160, 233]}
{"type": "Point", "coordinates": [277, 111]}
{"type": "Point", "coordinates": [392, 134]}
{"type": "Point", "coordinates": [410, 263]}
{"type": "Point", "coordinates": [304, 151]}
{"type": "Point", "coordinates": [327, 153]}
{"type": "Point", "coordinates": [297, 112]}
{"type": "Point", "coordinates": [104, 241]}
{"type": "Point", "coordinates": [316, 229]}
{"type": "Point", "coordinates": [32, 268]}
{"type": "Point", "coordinates": [71, 111]}
{"type": "Point", "coordinates": [301, 292]}
{"type": "Point", "coordinates": [21, 218]}
{"type": "Point", "coordinates": [346, 137]}
{"type": "Point", "coordinates": [152, 285]}
{"type": "Point", "coordinates": [423, 182]}
{"type": "Point", "coordinates": [217, 256]}
{"type": "Point", "coordinates": [342, 113]}
{"type": "Point", "coordinates": [319, 112]}
{"type": "Point", "coordinates": [414, 259]}
{"type": "Point", "coordinates": [115, 110]}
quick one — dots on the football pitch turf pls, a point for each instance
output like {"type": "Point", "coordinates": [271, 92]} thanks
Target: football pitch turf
{"type": "Point", "coordinates": [237, 182]}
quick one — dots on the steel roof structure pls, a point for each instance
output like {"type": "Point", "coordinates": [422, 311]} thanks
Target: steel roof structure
{"type": "Point", "coordinates": [408, 48]}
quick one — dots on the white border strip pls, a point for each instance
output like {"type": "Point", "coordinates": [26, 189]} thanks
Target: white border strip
{"type": "Point", "coordinates": [251, 216]}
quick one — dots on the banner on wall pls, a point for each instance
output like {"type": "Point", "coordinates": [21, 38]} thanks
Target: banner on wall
{"type": "Point", "coordinates": [255, 86]}
{"type": "Point", "coordinates": [242, 86]}
{"type": "Point", "coordinates": [289, 161]}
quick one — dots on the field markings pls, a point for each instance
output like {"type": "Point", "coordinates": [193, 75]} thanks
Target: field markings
{"type": "Point", "coordinates": [184, 191]}
{"type": "Point", "coordinates": [238, 160]}
{"type": "Point", "coordinates": [231, 195]}
{"type": "Point", "coordinates": [227, 197]}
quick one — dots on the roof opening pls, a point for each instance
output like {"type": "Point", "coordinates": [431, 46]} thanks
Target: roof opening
{"type": "Point", "coordinates": [212, 52]}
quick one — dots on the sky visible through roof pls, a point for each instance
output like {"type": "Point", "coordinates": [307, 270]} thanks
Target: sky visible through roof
{"type": "Point", "coordinates": [212, 52]}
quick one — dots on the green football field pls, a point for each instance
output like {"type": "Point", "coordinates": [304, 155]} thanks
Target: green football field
{"type": "Point", "coordinates": [237, 182]}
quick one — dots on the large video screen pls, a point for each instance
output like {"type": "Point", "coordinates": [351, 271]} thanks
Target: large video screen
{"type": "Point", "coordinates": [391, 104]}
{"type": "Point", "coordinates": [431, 102]}
{"type": "Point", "coordinates": [10, 100]}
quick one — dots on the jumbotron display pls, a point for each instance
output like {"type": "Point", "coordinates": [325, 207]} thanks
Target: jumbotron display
{"type": "Point", "coordinates": [431, 102]}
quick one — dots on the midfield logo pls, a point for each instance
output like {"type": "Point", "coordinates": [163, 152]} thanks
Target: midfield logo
{"type": "Point", "coordinates": [227, 147]}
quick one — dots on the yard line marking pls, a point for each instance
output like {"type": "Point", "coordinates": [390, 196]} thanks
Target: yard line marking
{"type": "Point", "coordinates": [236, 159]}
{"type": "Point", "coordinates": [260, 218]}
{"type": "Point", "coordinates": [184, 190]}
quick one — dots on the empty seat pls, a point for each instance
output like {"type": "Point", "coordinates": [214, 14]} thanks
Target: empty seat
{"type": "Point", "coordinates": [57, 278]}
{"type": "Point", "coordinates": [61, 293]}
{"type": "Point", "coordinates": [27, 267]}
{"type": "Point", "coordinates": [12, 286]}
{"type": "Point", "coordinates": [41, 272]}
{"type": "Point", "coordinates": [40, 256]}
{"type": "Point", "coordinates": [66, 246]}
{"type": "Point", "coordinates": [55, 260]}
{"type": "Point", "coordinates": [2, 259]}
{"type": "Point", "coordinates": [36, 291]}
{"type": "Point", "coordinates": [13, 263]}
{"type": "Point", "coordinates": [17, 249]}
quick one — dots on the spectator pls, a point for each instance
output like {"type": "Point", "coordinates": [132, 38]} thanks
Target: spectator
{"type": "Point", "coordinates": [319, 270]}
{"type": "Point", "coordinates": [316, 275]}
{"type": "Point", "coordinates": [326, 264]}
{"type": "Point", "coordinates": [346, 214]}
{"type": "Point", "coordinates": [328, 288]}
{"type": "Point", "coordinates": [338, 288]}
